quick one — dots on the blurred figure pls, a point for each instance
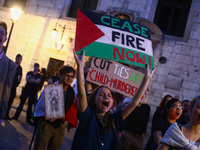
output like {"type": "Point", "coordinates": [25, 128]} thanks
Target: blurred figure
{"type": "Point", "coordinates": [160, 126]}
{"type": "Point", "coordinates": [184, 119]}
{"type": "Point", "coordinates": [135, 127]}
{"type": "Point", "coordinates": [176, 96]}
{"type": "Point", "coordinates": [16, 82]}
{"type": "Point", "coordinates": [186, 137]}
{"type": "Point", "coordinates": [159, 113]}
{"type": "Point", "coordinates": [43, 73]}
{"type": "Point", "coordinates": [33, 79]}
{"type": "Point", "coordinates": [54, 79]}
{"type": "Point", "coordinates": [7, 73]}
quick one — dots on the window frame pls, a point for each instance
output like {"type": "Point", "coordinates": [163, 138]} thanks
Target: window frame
{"type": "Point", "coordinates": [8, 8]}
{"type": "Point", "coordinates": [67, 7]}
{"type": "Point", "coordinates": [188, 27]}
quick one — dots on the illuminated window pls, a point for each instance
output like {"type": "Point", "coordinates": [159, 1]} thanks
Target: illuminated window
{"type": "Point", "coordinates": [81, 4]}
{"type": "Point", "coordinates": [172, 15]}
{"type": "Point", "coordinates": [11, 3]}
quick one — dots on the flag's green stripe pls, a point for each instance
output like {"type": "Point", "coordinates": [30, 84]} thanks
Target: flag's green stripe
{"type": "Point", "coordinates": [105, 51]}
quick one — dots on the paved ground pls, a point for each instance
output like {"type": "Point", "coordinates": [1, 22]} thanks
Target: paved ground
{"type": "Point", "coordinates": [17, 135]}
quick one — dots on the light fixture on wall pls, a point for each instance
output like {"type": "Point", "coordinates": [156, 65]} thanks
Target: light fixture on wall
{"type": "Point", "coordinates": [59, 45]}
{"type": "Point", "coordinates": [15, 14]}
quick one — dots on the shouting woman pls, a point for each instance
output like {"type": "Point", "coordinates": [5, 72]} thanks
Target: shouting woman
{"type": "Point", "coordinates": [98, 127]}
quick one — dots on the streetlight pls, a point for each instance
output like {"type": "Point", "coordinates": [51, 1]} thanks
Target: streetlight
{"type": "Point", "coordinates": [15, 14]}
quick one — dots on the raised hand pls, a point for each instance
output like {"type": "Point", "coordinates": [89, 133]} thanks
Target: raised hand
{"type": "Point", "coordinates": [79, 58]}
{"type": "Point", "coordinates": [149, 73]}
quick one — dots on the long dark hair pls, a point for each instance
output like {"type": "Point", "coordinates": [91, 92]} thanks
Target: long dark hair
{"type": "Point", "coordinates": [162, 103]}
{"type": "Point", "coordinates": [91, 99]}
{"type": "Point", "coordinates": [106, 119]}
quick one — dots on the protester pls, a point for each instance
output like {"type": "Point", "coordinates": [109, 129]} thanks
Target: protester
{"type": "Point", "coordinates": [184, 119]}
{"type": "Point", "coordinates": [50, 133]}
{"type": "Point", "coordinates": [16, 82]}
{"type": "Point", "coordinates": [7, 73]}
{"type": "Point", "coordinates": [135, 127]}
{"type": "Point", "coordinates": [160, 126]}
{"type": "Point", "coordinates": [159, 113]}
{"type": "Point", "coordinates": [186, 137]}
{"type": "Point", "coordinates": [98, 128]}
{"type": "Point", "coordinates": [33, 79]}
{"type": "Point", "coordinates": [54, 79]}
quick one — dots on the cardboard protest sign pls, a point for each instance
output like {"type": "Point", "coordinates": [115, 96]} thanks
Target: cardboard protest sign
{"type": "Point", "coordinates": [111, 38]}
{"type": "Point", "coordinates": [116, 76]}
{"type": "Point", "coordinates": [54, 101]}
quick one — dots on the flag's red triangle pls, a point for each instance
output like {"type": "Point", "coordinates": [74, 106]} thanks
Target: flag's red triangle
{"type": "Point", "coordinates": [70, 116]}
{"type": "Point", "coordinates": [86, 31]}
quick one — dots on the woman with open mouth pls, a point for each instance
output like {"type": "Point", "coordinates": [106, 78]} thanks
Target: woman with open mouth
{"type": "Point", "coordinates": [98, 127]}
{"type": "Point", "coordinates": [186, 137]}
{"type": "Point", "coordinates": [173, 112]}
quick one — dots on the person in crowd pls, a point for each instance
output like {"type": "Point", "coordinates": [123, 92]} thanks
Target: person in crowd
{"type": "Point", "coordinates": [54, 79]}
{"type": "Point", "coordinates": [50, 133]}
{"type": "Point", "coordinates": [176, 96]}
{"type": "Point", "coordinates": [33, 79]}
{"type": "Point", "coordinates": [43, 73]}
{"type": "Point", "coordinates": [160, 126]}
{"type": "Point", "coordinates": [98, 127]}
{"type": "Point", "coordinates": [159, 113]}
{"type": "Point", "coordinates": [135, 127]}
{"type": "Point", "coordinates": [7, 73]}
{"type": "Point", "coordinates": [184, 137]}
{"type": "Point", "coordinates": [184, 119]}
{"type": "Point", "coordinates": [16, 82]}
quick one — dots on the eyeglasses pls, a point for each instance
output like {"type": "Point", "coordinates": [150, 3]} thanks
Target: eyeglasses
{"type": "Point", "coordinates": [178, 107]}
{"type": "Point", "coordinates": [68, 76]}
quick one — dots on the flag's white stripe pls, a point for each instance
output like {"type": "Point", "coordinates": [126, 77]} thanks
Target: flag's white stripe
{"type": "Point", "coordinates": [107, 39]}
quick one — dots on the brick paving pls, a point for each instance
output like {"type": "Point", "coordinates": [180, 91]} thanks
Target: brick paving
{"type": "Point", "coordinates": [17, 135]}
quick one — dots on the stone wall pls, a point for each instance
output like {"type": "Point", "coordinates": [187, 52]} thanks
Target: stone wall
{"type": "Point", "coordinates": [31, 36]}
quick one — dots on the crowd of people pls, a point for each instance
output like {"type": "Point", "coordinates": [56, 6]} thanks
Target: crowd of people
{"type": "Point", "coordinates": [104, 121]}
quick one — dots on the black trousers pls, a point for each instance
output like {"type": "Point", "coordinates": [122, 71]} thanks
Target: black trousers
{"type": "Point", "coordinates": [31, 95]}
{"type": "Point", "coordinates": [11, 99]}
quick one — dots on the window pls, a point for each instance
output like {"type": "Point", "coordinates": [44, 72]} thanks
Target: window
{"type": "Point", "coordinates": [10, 3]}
{"type": "Point", "coordinates": [81, 4]}
{"type": "Point", "coordinates": [171, 16]}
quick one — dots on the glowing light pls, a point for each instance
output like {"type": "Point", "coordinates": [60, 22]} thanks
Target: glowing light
{"type": "Point", "coordinates": [54, 33]}
{"type": "Point", "coordinates": [15, 13]}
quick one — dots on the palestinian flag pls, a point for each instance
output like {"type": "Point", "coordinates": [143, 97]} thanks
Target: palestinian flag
{"type": "Point", "coordinates": [115, 39]}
